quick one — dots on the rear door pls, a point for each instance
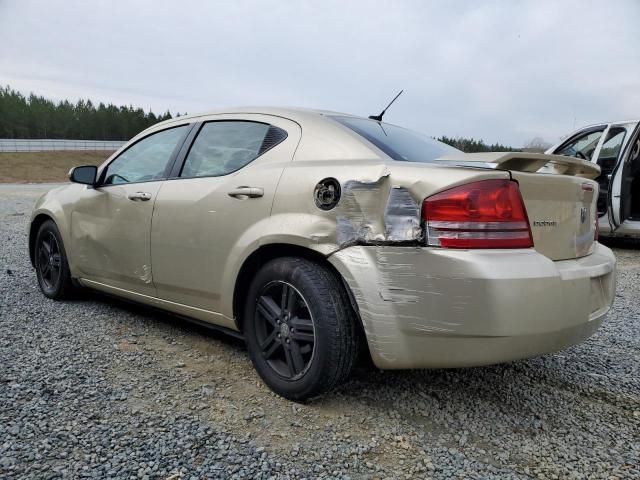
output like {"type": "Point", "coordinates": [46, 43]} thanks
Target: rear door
{"type": "Point", "coordinates": [111, 223]}
{"type": "Point", "coordinates": [623, 176]}
{"type": "Point", "coordinates": [221, 192]}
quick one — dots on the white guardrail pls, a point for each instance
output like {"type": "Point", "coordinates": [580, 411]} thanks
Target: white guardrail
{"type": "Point", "coordinates": [46, 145]}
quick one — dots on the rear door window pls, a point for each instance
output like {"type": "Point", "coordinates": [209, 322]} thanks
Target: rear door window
{"type": "Point", "coordinates": [222, 147]}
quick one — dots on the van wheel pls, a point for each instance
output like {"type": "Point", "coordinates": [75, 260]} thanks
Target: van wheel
{"type": "Point", "coordinates": [299, 328]}
{"type": "Point", "coordinates": [52, 268]}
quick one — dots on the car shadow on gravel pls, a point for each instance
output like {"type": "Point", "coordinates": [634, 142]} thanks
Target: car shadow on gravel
{"type": "Point", "coordinates": [188, 325]}
{"type": "Point", "coordinates": [621, 242]}
{"type": "Point", "coordinates": [491, 383]}
{"type": "Point", "coordinates": [519, 384]}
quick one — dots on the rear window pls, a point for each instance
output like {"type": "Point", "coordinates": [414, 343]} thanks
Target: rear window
{"type": "Point", "coordinates": [397, 142]}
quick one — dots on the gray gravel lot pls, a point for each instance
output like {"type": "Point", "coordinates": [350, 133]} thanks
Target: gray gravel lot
{"type": "Point", "coordinates": [99, 388]}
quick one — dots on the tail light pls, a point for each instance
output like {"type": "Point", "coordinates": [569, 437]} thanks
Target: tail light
{"type": "Point", "coordinates": [484, 214]}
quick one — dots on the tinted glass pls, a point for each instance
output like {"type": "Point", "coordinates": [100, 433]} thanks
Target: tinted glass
{"type": "Point", "coordinates": [146, 160]}
{"type": "Point", "coordinates": [613, 143]}
{"type": "Point", "coordinates": [226, 146]}
{"type": "Point", "coordinates": [582, 146]}
{"type": "Point", "coordinates": [399, 143]}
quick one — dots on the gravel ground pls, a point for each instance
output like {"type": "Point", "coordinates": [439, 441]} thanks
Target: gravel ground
{"type": "Point", "coordinates": [99, 388]}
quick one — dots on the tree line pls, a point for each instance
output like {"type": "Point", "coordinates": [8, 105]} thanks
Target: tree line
{"type": "Point", "coordinates": [470, 145]}
{"type": "Point", "coordinates": [34, 116]}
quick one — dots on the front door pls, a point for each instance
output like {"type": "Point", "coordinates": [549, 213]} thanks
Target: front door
{"type": "Point", "coordinates": [204, 217]}
{"type": "Point", "coordinates": [585, 145]}
{"type": "Point", "coordinates": [625, 175]}
{"type": "Point", "coordinates": [111, 223]}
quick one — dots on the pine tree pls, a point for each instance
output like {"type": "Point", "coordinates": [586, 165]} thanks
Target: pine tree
{"type": "Point", "coordinates": [37, 117]}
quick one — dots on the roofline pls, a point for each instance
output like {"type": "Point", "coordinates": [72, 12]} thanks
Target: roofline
{"type": "Point", "coordinates": [264, 110]}
{"type": "Point", "coordinates": [619, 122]}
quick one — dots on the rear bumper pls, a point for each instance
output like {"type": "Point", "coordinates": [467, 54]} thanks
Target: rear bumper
{"type": "Point", "coordinates": [432, 308]}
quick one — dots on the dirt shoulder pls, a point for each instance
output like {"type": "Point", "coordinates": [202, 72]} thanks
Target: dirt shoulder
{"type": "Point", "coordinates": [45, 167]}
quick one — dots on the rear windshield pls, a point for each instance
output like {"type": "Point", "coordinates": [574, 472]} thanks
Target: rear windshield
{"type": "Point", "coordinates": [399, 143]}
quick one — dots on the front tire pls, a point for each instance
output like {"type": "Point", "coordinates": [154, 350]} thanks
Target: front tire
{"type": "Point", "coordinates": [52, 268]}
{"type": "Point", "coordinates": [299, 328]}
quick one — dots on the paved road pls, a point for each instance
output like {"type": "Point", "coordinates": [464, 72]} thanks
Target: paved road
{"type": "Point", "coordinates": [99, 388]}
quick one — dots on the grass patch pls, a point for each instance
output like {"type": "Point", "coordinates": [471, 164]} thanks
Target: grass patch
{"type": "Point", "coordinates": [45, 167]}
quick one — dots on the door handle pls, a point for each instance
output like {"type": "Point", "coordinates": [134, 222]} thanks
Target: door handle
{"type": "Point", "coordinates": [250, 192]}
{"type": "Point", "coordinates": [139, 196]}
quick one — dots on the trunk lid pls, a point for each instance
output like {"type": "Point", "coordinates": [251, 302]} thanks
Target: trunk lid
{"type": "Point", "coordinates": [559, 195]}
{"type": "Point", "coordinates": [561, 211]}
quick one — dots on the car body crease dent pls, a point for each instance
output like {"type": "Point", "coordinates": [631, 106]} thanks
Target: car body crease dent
{"type": "Point", "coordinates": [376, 213]}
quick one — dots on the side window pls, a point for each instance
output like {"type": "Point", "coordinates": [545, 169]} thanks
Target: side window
{"type": "Point", "coordinates": [582, 146]}
{"type": "Point", "coordinates": [147, 159]}
{"type": "Point", "coordinates": [222, 147]}
{"type": "Point", "coordinates": [612, 144]}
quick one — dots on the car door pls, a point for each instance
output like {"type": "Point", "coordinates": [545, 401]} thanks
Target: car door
{"type": "Point", "coordinates": [582, 144]}
{"type": "Point", "coordinates": [607, 157]}
{"type": "Point", "coordinates": [623, 176]}
{"type": "Point", "coordinates": [586, 144]}
{"type": "Point", "coordinates": [224, 188]}
{"type": "Point", "coordinates": [111, 223]}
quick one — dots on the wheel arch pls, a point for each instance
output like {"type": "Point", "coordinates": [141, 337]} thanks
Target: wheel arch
{"type": "Point", "coordinates": [268, 252]}
{"type": "Point", "coordinates": [36, 223]}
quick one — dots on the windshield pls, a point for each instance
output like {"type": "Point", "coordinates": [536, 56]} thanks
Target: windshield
{"type": "Point", "coordinates": [397, 142]}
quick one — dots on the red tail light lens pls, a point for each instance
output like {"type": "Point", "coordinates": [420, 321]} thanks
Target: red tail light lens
{"type": "Point", "coordinates": [484, 214]}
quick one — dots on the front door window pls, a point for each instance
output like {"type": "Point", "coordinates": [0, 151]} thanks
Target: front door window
{"type": "Point", "coordinates": [581, 146]}
{"type": "Point", "coordinates": [146, 160]}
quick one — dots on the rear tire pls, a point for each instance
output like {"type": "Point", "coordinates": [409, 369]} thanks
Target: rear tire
{"type": "Point", "coordinates": [299, 328]}
{"type": "Point", "coordinates": [52, 268]}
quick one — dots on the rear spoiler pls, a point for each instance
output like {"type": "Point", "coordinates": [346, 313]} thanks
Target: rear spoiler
{"type": "Point", "coordinates": [526, 162]}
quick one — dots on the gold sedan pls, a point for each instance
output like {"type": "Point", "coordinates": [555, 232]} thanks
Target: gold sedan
{"type": "Point", "coordinates": [318, 236]}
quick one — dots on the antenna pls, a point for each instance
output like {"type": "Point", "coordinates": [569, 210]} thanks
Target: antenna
{"type": "Point", "coordinates": [379, 117]}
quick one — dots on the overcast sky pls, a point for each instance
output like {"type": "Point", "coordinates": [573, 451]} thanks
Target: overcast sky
{"type": "Point", "coordinates": [503, 71]}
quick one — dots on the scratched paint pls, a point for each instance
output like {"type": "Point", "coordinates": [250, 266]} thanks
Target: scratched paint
{"type": "Point", "coordinates": [399, 297]}
{"type": "Point", "coordinates": [391, 295]}
{"type": "Point", "coordinates": [143, 272]}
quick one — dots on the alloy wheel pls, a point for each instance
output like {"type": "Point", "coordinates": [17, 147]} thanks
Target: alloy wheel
{"type": "Point", "coordinates": [49, 261]}
{"type": "Point", "coordinates": [285, 329]}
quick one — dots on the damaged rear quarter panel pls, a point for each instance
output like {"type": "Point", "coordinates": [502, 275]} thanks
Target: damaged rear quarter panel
{"type": "Point", "coordinates": [380, 204]}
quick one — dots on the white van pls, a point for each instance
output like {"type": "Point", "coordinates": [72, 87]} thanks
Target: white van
{"type": "Point", "coordinates": [616, 148]}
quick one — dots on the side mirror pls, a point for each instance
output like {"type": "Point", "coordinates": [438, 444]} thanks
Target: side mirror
{"type": "Point", "coordinates": [85, 174]}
